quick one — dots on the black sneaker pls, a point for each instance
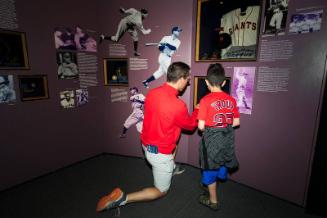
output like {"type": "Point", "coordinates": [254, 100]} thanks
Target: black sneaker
{"type": "Point", "coordinates": [205, 200]}
{"type": "Point", "coordinates": [145, 84]}
{"type": "Point", "coordinates": [112, 200]}
{"type": "Point", "coordinates": [178, 170]}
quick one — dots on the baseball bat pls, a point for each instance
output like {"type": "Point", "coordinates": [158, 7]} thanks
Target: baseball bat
{"type": "Point", "coordinates": [151, 43]}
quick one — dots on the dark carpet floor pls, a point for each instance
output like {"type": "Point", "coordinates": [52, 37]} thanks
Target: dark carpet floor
{"type": "Point", "coordinates": [73, 192]}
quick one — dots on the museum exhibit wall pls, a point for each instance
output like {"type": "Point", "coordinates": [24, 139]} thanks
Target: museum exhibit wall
{"type": "Point", "coordinates": [39, 136]}
{"type": "Point", "coordinates": [160, 22]}
{"type": "Point", "coordinates": [275, 143]}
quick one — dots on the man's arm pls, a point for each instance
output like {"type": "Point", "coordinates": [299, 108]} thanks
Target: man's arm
{"type": "Point", "coordinates": [184, 120]}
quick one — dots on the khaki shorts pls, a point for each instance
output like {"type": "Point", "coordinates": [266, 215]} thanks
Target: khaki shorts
{"type": "Point", "coordinates": [162, 169]}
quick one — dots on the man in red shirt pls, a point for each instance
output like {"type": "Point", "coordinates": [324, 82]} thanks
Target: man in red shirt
{"type": "Point", "coordinates": [164, 117]}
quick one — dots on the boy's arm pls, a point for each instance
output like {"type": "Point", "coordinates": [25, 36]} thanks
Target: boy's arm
{"type": "Point", "coordinates": [236, 122]}
{"type": "Point", "coordinates": [201, 124]}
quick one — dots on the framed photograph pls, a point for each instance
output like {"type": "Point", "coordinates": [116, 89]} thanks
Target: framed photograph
{"type": "Point", "coordinates": [74, 39]}
{"type": "Point", "coordinates": [227, 30]}
{"type": "Point", "coordinates": [33, 87]}
{"type": "Point", "coordinates": [82, 97]}
{"type": "Point", "coordinates": [13, 50]}
{"type": "Point", "coordinates": [305, 22]}
{"type": "Point", "coordinates": [115, 71]}
{"type": "Point", "coordinates": [275, 17]}
{"type": "Point", "coordinates": [201, 89]}
{"type": "Point", "coordinates": [7, 91]}
{"type": "Point", "coordinates": [67, 99]}
{"type": "Point", "coordinates": [67, 65]}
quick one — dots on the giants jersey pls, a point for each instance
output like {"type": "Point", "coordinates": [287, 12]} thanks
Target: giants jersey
{"type": "Point", "coordinates": [242, 29]}
{"type": "Point", "coordinates": [172, 42]}
{"type": "Point", "coordinates": [137, 101]}
{"type": "Point", "coordinates": [218, 109]}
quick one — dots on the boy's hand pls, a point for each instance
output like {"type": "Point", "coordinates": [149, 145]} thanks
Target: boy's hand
{"type": "Point", "coordinates": [197, 106]}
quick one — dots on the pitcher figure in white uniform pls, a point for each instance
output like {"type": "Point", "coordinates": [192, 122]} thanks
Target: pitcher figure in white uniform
{"type": "Point", "coordinates": [130, 23]}
{"type": "Point", "coordinates": [167, 47]}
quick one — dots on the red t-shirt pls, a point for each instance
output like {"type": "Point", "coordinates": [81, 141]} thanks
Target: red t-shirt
{"type": "Point", "coordinates": [164, 117]}
{"type": "Point", "coordinates": [218, 109]}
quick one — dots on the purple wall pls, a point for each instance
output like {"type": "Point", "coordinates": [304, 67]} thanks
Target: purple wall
{"type": "Point", "coordinates": [38, 137]}
{"type": "Point", "coordinates": [275, 144]}
{"type": "Point", "coordinates": [160, 21]}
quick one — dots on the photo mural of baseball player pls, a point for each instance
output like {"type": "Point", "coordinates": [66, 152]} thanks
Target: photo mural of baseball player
{"type": "Point", "coordinates": [275, 16]}
{"type": "Point", "coordinates": [242, 25]}
{"type": "Point", "coordinates": [306, 22]}
{"type": "Point", "coordinates": [132, 22]}
{"type": "Point", "coordinates": [242, 91]}
{"type": "Point", "coordinates": [167, 47]}
{"type": "Point", "coordinates": [136, 117]}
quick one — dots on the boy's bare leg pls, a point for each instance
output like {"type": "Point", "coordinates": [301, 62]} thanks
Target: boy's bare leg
{"type": "Point", "coordinates": [213, 192]}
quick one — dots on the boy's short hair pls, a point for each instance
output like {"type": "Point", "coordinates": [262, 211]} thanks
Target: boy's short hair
{"type": "Point", "coordinates": [215, 74]}
{"type": "Point", "coordinates": [176, 71]}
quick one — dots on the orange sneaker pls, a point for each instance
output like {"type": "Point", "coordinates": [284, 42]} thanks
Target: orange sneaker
{"type": "Point", "coordinates": [112, 200]}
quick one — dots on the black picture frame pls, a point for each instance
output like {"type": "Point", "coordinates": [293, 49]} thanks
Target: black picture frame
{"type": "Point", "coordinates": [33, 87]}
{"type": "Point", "coordinates": [201, 89]}
{"type": "Point", "coordinates": [216, 41]}
{"type": "Point", "coordinates": [115, 71]}
{"type": "Point", "coordinates": [13, 50]}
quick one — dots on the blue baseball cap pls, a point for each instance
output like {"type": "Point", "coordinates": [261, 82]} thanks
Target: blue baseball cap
{"type": "Point", "coordinates": [176, 28]}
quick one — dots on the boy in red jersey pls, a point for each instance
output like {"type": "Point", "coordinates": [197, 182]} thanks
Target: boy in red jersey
{"type": "Point", "coordinates": [218, 114]}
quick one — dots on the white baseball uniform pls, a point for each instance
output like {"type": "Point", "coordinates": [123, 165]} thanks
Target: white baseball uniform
{"type": "Point", "coordinates": [242, 29]}
{"type": "Point", "coordinates": [129, 23]}
{"type": "Point", "coordinates": [137, 115]}
{"type": "Point", "coordinates": [171, 45]}
{"type": "Point", "coordinates": [240, 91]}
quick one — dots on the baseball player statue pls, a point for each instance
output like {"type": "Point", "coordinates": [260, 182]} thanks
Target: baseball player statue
{"type": "Point", "coordinates": [137, 99]}
{"type": "Point", "coordinates": [167, 47]}
{"type": "Point", "coordinates": [130, 23]}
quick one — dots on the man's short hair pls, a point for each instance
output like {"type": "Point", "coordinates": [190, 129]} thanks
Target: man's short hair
{"type": "Point", "coordinates": [176, 71]}
{"type": "Point", "coordinates": [215, 74]}
{"type": "Point", "coordinates": [144, 11]}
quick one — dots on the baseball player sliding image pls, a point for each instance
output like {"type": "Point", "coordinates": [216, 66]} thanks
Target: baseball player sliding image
{"type": "Point", "coordinates": [167, 47]}
{"type": "Point", "coordinates": [137, 99]}
{"type": "Point", "coordinates": [131, 23]}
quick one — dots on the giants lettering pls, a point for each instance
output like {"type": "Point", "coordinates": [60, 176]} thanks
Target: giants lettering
{"type": "Point", "coordinates": [243, 26]}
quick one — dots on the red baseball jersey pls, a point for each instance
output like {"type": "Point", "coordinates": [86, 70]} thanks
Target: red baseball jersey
{"type": "Point", "coordinates": [218, 109]}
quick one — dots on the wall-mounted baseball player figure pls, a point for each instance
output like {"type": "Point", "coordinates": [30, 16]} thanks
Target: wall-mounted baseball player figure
{"type": "Point", "coordinates": [137, 99]}
{"type": "Point", "coordinates": [167, 47]}
{"type": "Point", "coordinates": [242, 25]}
{"type": "Point", "coordinates": [131, 23]}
